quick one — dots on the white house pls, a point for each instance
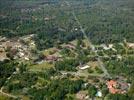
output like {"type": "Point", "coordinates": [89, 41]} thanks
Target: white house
{"type": "Point", "coordinates": [84, 67]}
{"type": "Point", "coordinates": [99, 94]}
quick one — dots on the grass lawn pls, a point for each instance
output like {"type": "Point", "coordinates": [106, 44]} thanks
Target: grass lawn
{"type": "Point", "coordinates": [49, 51]}
{"type": "Point", "coordinates": [71, 96]}
{"type": "Point", "coordinates": [74, 42]}
{"type": "Point", "coordinates": [93, 66]}
{"type": "Point", "coordinates": [25, 98]}
{"type": "Point", "coordinates": [41, 67]}
{"type": "Point", "coordinates": [46, 52]}
{"type": "Point", "coordinates": [3, 97]}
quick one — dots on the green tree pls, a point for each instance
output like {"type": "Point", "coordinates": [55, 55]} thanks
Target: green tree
{"type": "Point", "coordinates": [22, 67]}
{"type": "Point", "coordinates": [117, 97]}
{"type": "Point", "coordinates": [92, 90]}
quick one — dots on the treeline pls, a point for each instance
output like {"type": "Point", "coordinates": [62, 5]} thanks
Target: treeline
{"type": "Point", "coordinates": [67, 65]}
{"type": "Point", "coordinates": [6, 70]}
{"type": "Point", "coordinates": [109, 25]}
{"type": "Point", "coordinates": [124, 67]}
{"type": "Point", "coordinates": [56, 90]}
{"type": "Point", "coordinates": [52, 36]}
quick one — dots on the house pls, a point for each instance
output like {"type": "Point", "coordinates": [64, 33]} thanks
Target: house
{"type": "Point", "coordinates": [123, 87]}
{"type": "Point", "coordinates": [119, 57]}
{"type": "Point", "coordinates": [130, 45]}
{"type": "Point", "coordinates": [46, 18]}
{"type": "Point", "coordinates": [81, 95]}
{"type": "Point", "coordinates": [99, 94]}
{"type": "Point", "coordinates": [38, 61]}
{"type": "Point", "coordinates": [76, 29]}
{"type": "Point", "coordinates": [110, 46]}
{"type": "Point", "coordinates": [111, 85]}
{"type": "Point", "coordinates": [21, 54]}
{"type": "Point", "coordinates": [84, 67]}
{"type": "Point", "coordinates": [117, 87]}
{"type": "Point", "coordinates": [64, 73]}
{"type": "Point", "coordinates": [70, 46]}
{"type": "Point", "coordinates": [13, 51]}
{"type": "Point", "coordinates": [26, 58]}
{"type": "Point", "coordinates": [3, 56]}
{"type": "Point", "coordinates": [2, 50]}
{"type": "Point", "coordinates": [32, 43]}
{"type": "Point", "coordinates": [51, 58]}
{"type": "Point", "coordinates": [107, 47]}
{"type": "Point", "coordinates": [3, 39]}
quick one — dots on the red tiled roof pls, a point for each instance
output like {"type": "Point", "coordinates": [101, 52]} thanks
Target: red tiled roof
{"type": "Point", "coordinates": [113, 89]}
{"type": "Point", "coordinates": [52, 58]}
{"type": "Point", "coordinates": [111, 86]}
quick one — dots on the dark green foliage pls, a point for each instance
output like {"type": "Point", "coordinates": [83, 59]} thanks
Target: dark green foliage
{"type": "Point", "coordinates": [90, 70]}
{"type": "Point", "coordinates": [6, 69]}
{"type": "Point", "coordinates": [67, 64]}
{"type": "Point", "coordinates": [131, 91]}
{"type": "Point", "coordinates": [25, 80]}
{"type": "Point", "coordinates": [92, 90]}
{"type": "Point", "coordinates": [22, 68]}
{"type": "Point", "coordinates": [65, 52]}
{"type": "Point", "coordinates": [102, 25]}
{"type": "Point", "coordinates": [14, 87]}
{"type": "Point", "coordinates": [124, 67]}
{"type": "Point", "coordinates": [52, 36]}
{"type": "Point", "coordinates": [57, 89]}
{"type": "Point", "coordinates": [98, 70]}
{"type": "Point", "coordinates": [47, 73]}
{"type": "Point", "coordinates": [117, 97]}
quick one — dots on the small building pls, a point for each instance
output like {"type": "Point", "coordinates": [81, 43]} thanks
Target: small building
{"type": "Point", "coordinates": [119, 57]}
{"type": "Point", "coordinates": [117, 87]}
{"type": "Point", "coordinates": [2, 50]}
{"type": "Point", "coordinates": [130, 45]}
{"type": "Point", "coordinates": [107, 47]}
{"type": "Point", "coordinates": [99, 94]}
{"type": "Point", "coordinates": [84, 67]}
{"type": "Point", "coordinates": [110, 46]}
{"type": "Point", "coordinates": [38, 61]}
{"type": "Point", "coordinates": [76, 29]}
{"type": "Point", "coordinates": [70, 46]}
{"type": "Point", "coordinates": [21, 54]}
{"type": "Point", "coordinates": [3, 56]}
{"type": "Point", "coordinates": [81, 95]}
{"type": "Point", "coordinates": [26, 58]}
{"type": "Point", "coordinates": [46, 18]}
{"type": "Point", "coordinates": [51, 58]}
{"type": "Point", "coordinates": [111, 85]}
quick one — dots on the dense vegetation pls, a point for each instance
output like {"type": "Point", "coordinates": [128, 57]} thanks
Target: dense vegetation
{"type": "Point", "coordinates": [56, 91]}
{"type": "Point", "coordinates": [68, 65]}
{"type": "Point", "coordinates": [6, 69]}
{"type": "Point", "coordinates": [124, 67]}
{"type": "Point", "coordinates": [54, 26]}
{"type": "Point", "coordinates": [110, 21]}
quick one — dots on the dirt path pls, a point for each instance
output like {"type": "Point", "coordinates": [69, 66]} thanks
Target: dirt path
{"type": "Point", "coordinates": [7, 94]}
{"type": "Point", "coordinates": [81, 74]}
{"type": "Point", "coordinates": [89, 42]}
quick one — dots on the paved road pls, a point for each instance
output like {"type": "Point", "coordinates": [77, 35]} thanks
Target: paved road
{"type": "Point", "coordinates": [89, 42]}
